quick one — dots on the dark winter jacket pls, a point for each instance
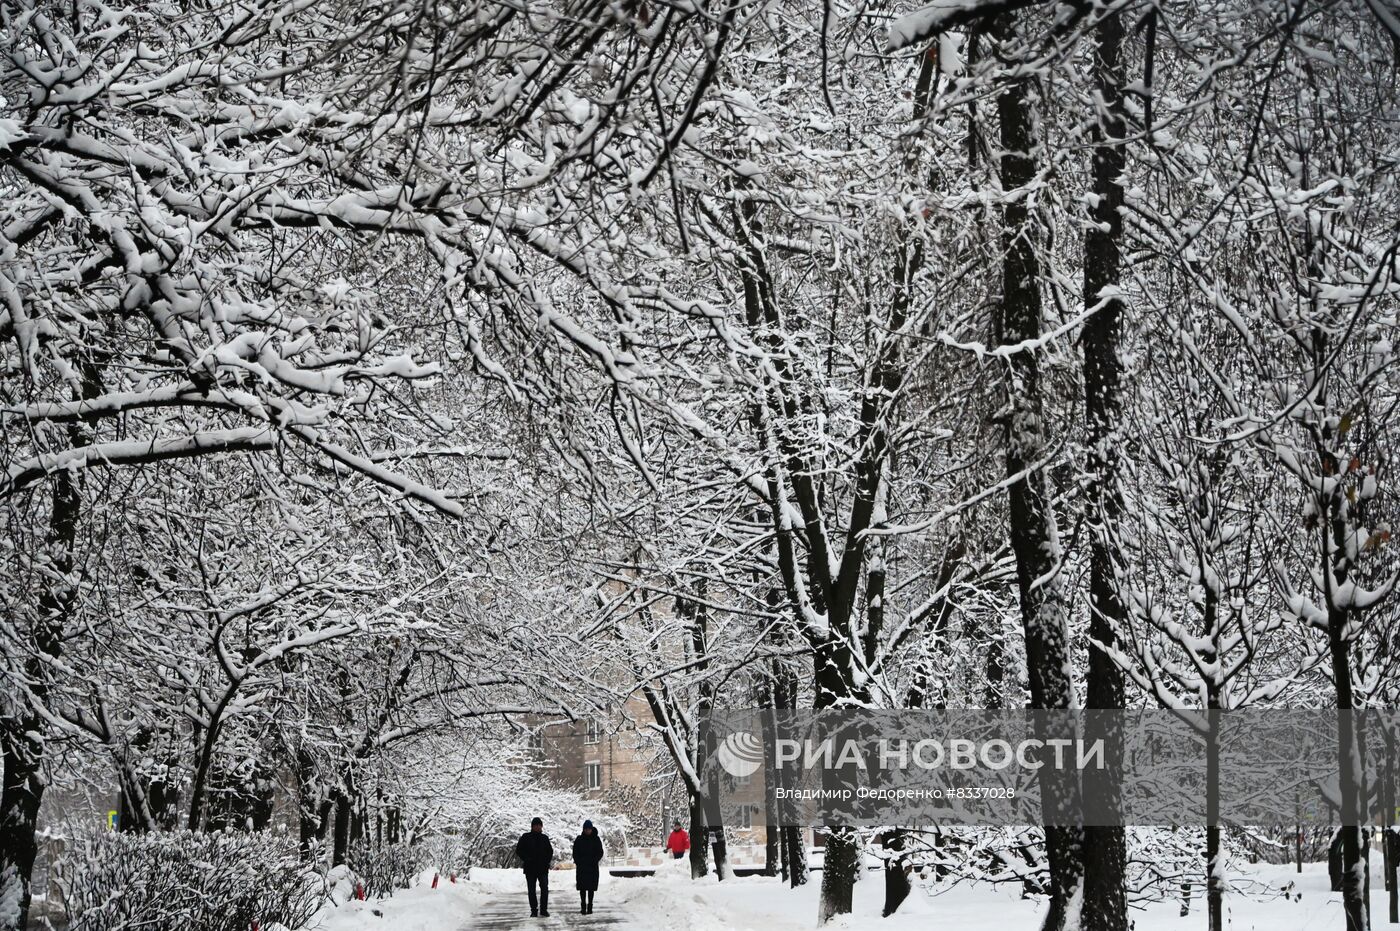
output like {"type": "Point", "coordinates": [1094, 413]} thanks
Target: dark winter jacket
{"type": "Point", "coordinates": [535, 852]}
{"type": "Point", "coordinates": [588, 853]}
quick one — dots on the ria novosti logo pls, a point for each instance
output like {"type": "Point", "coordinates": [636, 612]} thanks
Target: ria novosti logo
{"type": "Point", "coordinates": [741, 754]}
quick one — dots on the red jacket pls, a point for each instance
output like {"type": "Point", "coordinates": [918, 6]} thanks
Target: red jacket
{"type": "Point", "coordinates": [678, 842]}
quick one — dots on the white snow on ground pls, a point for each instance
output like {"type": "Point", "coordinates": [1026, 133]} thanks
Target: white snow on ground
{"type": "Point", "coordinates": [449, 907]}
{"type": "Point", "coordinates": [672, 900]}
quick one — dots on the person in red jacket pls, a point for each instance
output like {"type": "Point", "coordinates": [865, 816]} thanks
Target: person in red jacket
{"type": "Point", "coordinates": [679, 841]}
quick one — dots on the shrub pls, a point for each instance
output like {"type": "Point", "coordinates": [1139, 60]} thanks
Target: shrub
{"type": "Point", "coordinates": [178, 881]}
{"type": "Point", "coordinates": [447, 855]}
{"type": "Point", "coordinates": [385, 867]}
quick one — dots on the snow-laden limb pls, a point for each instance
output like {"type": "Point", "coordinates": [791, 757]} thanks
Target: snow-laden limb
{"type": "Point", "coordinates": [942, 15]}
{"type": "Point", "coordinates": [374, 470]}
{"type": "Point", "coordinates": [127, 452]}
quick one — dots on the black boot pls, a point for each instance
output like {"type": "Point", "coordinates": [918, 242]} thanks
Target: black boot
{"type": "Point", "coordinates": [590, 901]}
{"type": "Point", "coordinates": [582, 902]}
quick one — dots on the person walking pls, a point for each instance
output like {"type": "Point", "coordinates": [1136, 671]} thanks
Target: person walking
{"type": "Point", "coordinates": [588, 853]}
{"type": "Point", "coordinates": [679, 841]}
{"type": "Point", "coordinates": [535, 855]}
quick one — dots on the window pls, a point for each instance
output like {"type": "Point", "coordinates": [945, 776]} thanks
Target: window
{"type": "Point", "coordinates": [593, 731]}
{"type": "Point", "coordinates": [535, 744]}
{"type": "Point", "coordinates": [593, 775]}
{"type": "Point", "coordinates": [744, 819]}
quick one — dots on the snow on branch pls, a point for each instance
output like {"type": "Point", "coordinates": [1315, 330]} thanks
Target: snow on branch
{"type": "Point", "coordinates": [129, 452]}
{"type": "Point", "coordinates": [928, 21]}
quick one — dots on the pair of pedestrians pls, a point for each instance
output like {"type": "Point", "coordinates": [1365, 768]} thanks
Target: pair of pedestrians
{"type": "Point", "coordinates": [537, 854]}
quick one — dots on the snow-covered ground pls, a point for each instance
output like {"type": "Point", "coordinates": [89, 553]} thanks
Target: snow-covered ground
{"type": "Point", "coordinates": [672, 900]}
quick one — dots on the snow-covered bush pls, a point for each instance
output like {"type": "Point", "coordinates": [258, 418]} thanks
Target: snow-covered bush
{"type": "Point", "coordinates": [178, 881]}
{"type": "Point", "coordinates": [447, 854]}
{"type": "Point", "coordinates": [384, 868]}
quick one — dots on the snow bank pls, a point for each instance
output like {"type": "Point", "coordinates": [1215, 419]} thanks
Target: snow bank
{"type": "Point", "coordinates": [1283, 901]}
{"type": "Point", "coordinates": [419, 908]}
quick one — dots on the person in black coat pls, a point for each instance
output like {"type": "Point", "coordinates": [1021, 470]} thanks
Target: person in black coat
{"type": "Point", "coordinates": [588, 853]}
{"type": "Point", "coordinates": [535, 853]}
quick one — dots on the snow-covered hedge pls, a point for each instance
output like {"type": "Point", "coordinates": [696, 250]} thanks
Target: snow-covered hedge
{"type": "Point", "coordinates": [384, 868]}
{"type": "Point", "coordinates": [179, 881]}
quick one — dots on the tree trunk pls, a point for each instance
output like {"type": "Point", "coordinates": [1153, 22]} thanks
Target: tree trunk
{"type": "Point", "coordinates": [770, 786]}
{"type": "Point", "coordinates": [720, 849]}
{"type": "Point", "coordinates": [704, 802]}
{"type": "Point", "coordinates": [308, 827]}
{"type": "Point", "coordinates": [1388, 845]}
{"type": "Point", "coordinates": [796, 856]}
{"type": "Point", "coordinates": [1353, 902]}
{"type": "Point", "coordinates": [699, 848]}
{"type": "Point", "coordinates": [134, 815]}
{"type": "Point", "coordinates": [1215, 862]}
{"type": "Point", "coordinates": [340, 845]}
{"type": "Point", "coordinates": [840, 860]}
{"type": "Point", "coordinates": [1034, 535]}
{"type": "Point", "coordinates": [1105, 846]}
{"type": "Point", "coordinates": [22, 729]}
{"type": "Point", "coordinates": [896, 873]}
{"type": "Point", "coordinates": [23, 788]}
{"type": "Point", "coordinates": [1337, 571]}
{"type": "Point", "coordinates": [840, 868]}
{"type": "Point", "coordinates": [793, 847]}
{"type": "Point", "coordinates": [325, 818]}
{"type": "Point", "coordinates": [204, 763]}
{"type": "Point", "coordinates": [783, 855]}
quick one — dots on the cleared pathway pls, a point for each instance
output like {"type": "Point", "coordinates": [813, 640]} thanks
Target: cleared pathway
{"type": "Point", "coordinates": [508, 913]}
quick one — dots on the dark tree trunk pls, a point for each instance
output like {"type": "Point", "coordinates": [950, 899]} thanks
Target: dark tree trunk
{"type": "Point", "coordinates": [23, 789]}
{"type": "Point", "coordinates": [706, 803]}
{"type": "Point", "coordinates": [785, 688]}
{"type": "Point", "coordinates": [1034, 535]}
{"type": "Point", "coordinates": [720, 848]}
{"type": "Point", "coordinates": [896, 879]}
{"type": "Point", "coordinates": [699, 849]}
{"type": "Point", "coordinates": [357, 821]}
{"type": "Point", "coordinates": [771, 855]}
{"type": "Point", "coordinates": [308, 828]}
{"type": "Point", "coordinates": [714, 818]}
{"type": "Point", "coordinates": [796, 856]}
{"type": "Point", "coordinates": [1105, 847]}
{"type": "Point", "coordinates": [1389, 838]}
{"type": "Point", "coordinates": [208, 741]}
{"type": "Point", "coordinates": [1334, 534]}
{"type": "Point", "coordinates": [783, 855]}
{"type": "Point", "coordinates": [896, 872]}
{"type": "Point", "coordinates": [22, 730]}
{"type": "Point", "coordinates": [325, 819]}
{"type": "Point", "coordinates": [146, 802]}
{"type": "Point", "coordinates": [261, 799]}
{"type": "Point", "coordinates": [841, 855]}
{"type": "Point", "coordinates": [840, 866]}
{"type": "Point", "coordinates": [1215, 864]}
{"type": "Point", "coordinates": [1348, 784]}
{"type": "Point", "coordinates": [340, 844]}
{"type": "Point", "coordinates": [134, 814]}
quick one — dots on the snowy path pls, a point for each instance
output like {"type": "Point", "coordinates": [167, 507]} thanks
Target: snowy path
{"type": "Point", "coordinates": [507, 913]}
{"type": "Point", "coordinates": [494, 900]}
